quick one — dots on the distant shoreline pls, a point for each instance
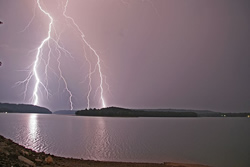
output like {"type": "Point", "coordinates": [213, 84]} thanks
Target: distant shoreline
{"type": "Point", "coordinates": [118, 112]}
{"type": "Point", "coordinates": [13, 154]}
{"type": "Point", "coordinates": [124, 112]}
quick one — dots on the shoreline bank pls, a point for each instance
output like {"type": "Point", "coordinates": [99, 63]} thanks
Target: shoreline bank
{"type": "Point", "coordinates": [13, 154]}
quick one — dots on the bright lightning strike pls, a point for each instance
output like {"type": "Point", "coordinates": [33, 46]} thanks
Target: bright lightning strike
{"type": "Point", "coordinates": [35, 95]}
{"type": "Point", "coordinates": [34, 73]}
{"type": "Point", "coordinates": [95, 53]}
{"type": "Point", "coordinates": [49, 42]}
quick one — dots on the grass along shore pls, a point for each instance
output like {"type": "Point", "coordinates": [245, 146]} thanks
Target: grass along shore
{"type": "Point", "coordinates": [13, 154]}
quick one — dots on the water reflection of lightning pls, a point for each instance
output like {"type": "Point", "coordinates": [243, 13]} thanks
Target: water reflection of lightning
{"type": "Point", "coordinates": [98, 63]}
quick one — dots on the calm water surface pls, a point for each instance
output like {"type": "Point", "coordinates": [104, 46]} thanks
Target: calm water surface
{"type": "Point", "coordinates": [219, 142]}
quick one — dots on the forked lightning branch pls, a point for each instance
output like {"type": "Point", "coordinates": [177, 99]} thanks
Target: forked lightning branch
{"type": "Point", "coordinates": [53, 42]}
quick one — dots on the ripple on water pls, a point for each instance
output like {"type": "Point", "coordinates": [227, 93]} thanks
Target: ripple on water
{"type": "Point", "coordinates": [133, 139]}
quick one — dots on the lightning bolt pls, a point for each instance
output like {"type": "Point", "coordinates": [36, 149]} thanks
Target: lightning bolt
{"type": "Point", "coordinates": [35, 95]}
{"type": "Point", "coordinates": [52, 43]}
{"type": "Point", "coordinates": [34, 73]}
{"type": "Point", "coordinates": [98, 63]}
{"type": "Point", "coordinates": [64, 80]}
{"type": "Point", "coordinates": [33, 17]}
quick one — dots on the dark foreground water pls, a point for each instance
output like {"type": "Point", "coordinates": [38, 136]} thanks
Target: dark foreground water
{"type": "Point", "coordinates": [219, 142]}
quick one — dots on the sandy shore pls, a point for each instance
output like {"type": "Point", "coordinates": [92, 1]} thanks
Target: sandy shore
{"type": "Point", "coordinates": [12, 154]}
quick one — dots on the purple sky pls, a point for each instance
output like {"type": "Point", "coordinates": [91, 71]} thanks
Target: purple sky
{"type": "Point", "coordinates": [154, 54]}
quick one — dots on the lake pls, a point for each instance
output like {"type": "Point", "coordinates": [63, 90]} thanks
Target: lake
{"type": "Point", "coordinates": [219, 142]}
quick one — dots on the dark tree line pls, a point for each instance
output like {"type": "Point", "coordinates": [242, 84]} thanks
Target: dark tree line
{"type": "Point", "coordinates": [22, 108]}
{"type": "Point", "coordinates": [122, 112]}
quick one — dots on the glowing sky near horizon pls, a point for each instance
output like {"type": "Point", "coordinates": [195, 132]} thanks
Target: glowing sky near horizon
{"type": "Point", "coordinates": [154, 54]}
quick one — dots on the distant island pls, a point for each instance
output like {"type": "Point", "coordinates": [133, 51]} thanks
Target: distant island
{"type": "Point", "coordinates": [203, 113]}
{"type": "Point", "coordinates": [22, 108]}
{"type": "Point", "coordinates": [123, 112]}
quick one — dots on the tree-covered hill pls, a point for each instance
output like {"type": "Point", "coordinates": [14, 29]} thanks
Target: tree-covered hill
{"type": "Point", "coordinates": [22, 108]}
{"type": "Point", "coordinates": [122, 112]}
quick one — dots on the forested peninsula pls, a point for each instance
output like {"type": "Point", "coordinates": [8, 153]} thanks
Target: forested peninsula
{"type": "Point", "coordinates": [22, 108]}
{"type": "Point", "coordinates": [123, 112]}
